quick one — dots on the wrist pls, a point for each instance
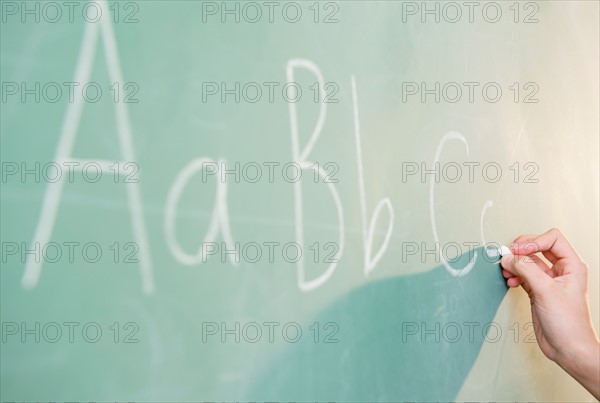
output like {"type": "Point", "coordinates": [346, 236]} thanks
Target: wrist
{"type": "Point", "coordinates": [583, 364]}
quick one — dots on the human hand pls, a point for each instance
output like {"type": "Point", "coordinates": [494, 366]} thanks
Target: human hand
{"type": "Point", "coordinates": [559, 302]}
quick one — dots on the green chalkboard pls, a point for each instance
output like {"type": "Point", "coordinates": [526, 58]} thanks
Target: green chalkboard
{"type": "Point", "coordinates": [241, 201]}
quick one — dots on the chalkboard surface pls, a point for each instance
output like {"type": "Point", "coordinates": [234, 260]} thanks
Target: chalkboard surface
{"type": "Point", "coordinates": [287, 200]}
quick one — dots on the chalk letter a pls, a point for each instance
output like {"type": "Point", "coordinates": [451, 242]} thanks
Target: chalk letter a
{"type": "Point", "coordinates": [65, 147]}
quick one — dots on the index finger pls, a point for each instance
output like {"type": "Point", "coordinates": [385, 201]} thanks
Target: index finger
{"type": "Point", "coordinates": [552, 241]}
{"type": "Point", "coordinates": [524, 239]}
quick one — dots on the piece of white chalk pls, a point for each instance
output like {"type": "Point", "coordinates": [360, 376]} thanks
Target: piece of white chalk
{"type": "Point", "coordinates": [496, 252]}
{"type": "Point", "coordinates": [504, 250]}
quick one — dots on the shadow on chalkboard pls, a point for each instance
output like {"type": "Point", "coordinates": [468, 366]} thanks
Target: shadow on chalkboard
{"type": "Point", "coordinates": [412, 337]}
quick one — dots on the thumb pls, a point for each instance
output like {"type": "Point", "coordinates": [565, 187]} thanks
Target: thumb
{"type": "Point", "coordinates": [526, 268]}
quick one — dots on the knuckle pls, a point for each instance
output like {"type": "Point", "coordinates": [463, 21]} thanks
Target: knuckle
{"type": "Point", "coordinates": [555, 231]}
{"type": "Point", "coordinates": [530, 247]}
